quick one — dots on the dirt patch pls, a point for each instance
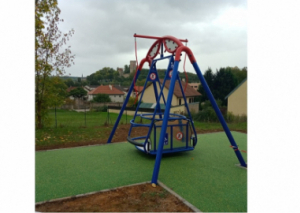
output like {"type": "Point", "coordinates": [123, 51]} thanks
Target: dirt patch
{"type": "Point", "coordinates": [139, 198]}
{"type": "Point", "coordinates": [120, 135]}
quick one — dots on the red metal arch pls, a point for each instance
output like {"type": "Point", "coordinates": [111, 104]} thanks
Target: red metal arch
{"type": "Point", "coordinates": [188, 52]}
{"type": "Point", "coordinates": [160, 41]}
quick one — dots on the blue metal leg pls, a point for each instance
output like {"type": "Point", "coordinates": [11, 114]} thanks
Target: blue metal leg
{"type": "Point", "coordinates": [164, 124]}
{"type": "Point", "coordinates": [219, 114]}
{"type": "Point", "coordinates": [122, 109]}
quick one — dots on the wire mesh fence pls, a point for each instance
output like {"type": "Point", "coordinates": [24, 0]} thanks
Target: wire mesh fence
{"type": "Point", "coordinates": [84, 118]}
{"type": "Point", "coordinates": [88, 116]}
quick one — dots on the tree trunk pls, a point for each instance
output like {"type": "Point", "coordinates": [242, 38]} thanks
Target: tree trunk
{"type": "Point", "coordinates": [39, 115]}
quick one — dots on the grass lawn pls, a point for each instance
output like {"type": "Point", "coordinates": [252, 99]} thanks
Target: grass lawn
{"type": "Point", "coordinates": [206, 177]}
{"type": "Point", "coordinates": [71, 127]}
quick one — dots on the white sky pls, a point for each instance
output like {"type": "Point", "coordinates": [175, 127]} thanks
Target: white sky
{"type": "Point", "coordinates": [216, 30]}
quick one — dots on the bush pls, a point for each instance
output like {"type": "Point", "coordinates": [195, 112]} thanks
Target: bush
{"type": "Point", "coordinates": [208, 114]}
{"type": "Point", "coordinates": [132, 102]}
{"type": "Point", "coordinates": [101, 98]}
{"type": "Point", "coordinates": [229, 117]}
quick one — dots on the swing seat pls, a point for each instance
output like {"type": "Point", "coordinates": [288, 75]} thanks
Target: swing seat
{"type": "Point", "coordinates": [178, 135]}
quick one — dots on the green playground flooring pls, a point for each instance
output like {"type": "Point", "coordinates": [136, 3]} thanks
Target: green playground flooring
{"type": "Point", "coordinates": [206, 177]}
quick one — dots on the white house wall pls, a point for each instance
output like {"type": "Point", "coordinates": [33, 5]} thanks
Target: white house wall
{"type": "Point", "coordinates": [116, 98]}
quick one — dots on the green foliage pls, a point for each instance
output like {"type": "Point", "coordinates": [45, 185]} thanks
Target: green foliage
{"type": "Point", "coordinates": [220, 83]}
{"type": "Point", "coordinates": [101, 98]}
{"type": "Point", "coordinates": [132, 102]}
{"type": "Point", "coordinates": [209, 77]}
{"type": "Point", "coordinates": [126, 69]}
{"type": "Point", "coordinates": [78, 92]}
{"type": "Point", "coordinates": [48, 58]}
{"type": "Point", "coordinates": [239, 74]}
{"type": "Point", "coordinates": [110, 76]}
{"type": "Point", "coordinates": [69, 82]}
{"type": "Point", "coordinates": [224, 82]}
{"type": "Point", "coordinates": [208, 114]}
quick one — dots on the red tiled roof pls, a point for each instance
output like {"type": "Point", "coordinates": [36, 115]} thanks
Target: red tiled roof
{"type": "Point", "coordinates": [106, 90]}
{"type": "Point", "coordinates": [71, 88]}
{"type": "Point", "coordinates": [189, 92]}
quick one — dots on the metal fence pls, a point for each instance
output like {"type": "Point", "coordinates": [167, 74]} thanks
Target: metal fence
{"type": "Point", "coordinates": [88, 115]}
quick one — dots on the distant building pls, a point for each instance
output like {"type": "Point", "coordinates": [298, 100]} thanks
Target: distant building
{"type": "Point", "coordinates": [120, 71]}
{"type": "Point", "coordinates": [121, 88]}
{"type": "Point", "coordinates": [132, 66]}
{"type": "Point", "coordinates": [195, 86]}
{"type": "Point", "coordinates": [114, 94]}
{"type": "Point", "coordinates": [83, 78]}
{"type": "Point", "coordinates": [177, 99]}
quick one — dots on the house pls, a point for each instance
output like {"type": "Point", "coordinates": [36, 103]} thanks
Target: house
{"type": "Point", "coordinates": [237, 99]}
{"type": "Point", "coordinates": [177, 99]}
{"type": "Point", "coordinates": [121, 88]}
{"type": "Point", "coordinates": [90, 87]}
{"type": "Point", "coordinates": [195, 86]}
{"type": "Point", "coordinates": [114, 94]}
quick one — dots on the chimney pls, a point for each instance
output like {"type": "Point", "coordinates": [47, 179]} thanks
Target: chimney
{"type": "Point", "coordinates": [110, 87]}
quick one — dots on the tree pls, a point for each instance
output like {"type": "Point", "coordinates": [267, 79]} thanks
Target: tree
{"type": "Point", "coordinates": [126, 69]}
{"type": "Point", "coordinates": [48, 57]}
{"type": "Point", "coordinates": [239, 74]}
{"type": "Point", "coordinates": [78, 92]}
{"type": "Point", "coordinates": [221, 84]}
{"type": "Point", "coordinates": [209, 78]}
{"type": "Point", "coordinates": [69, 82]}
{"type": "Point", "coordinates": [101, 98]}
{"type": "Point", "coordinates": [224, 82]}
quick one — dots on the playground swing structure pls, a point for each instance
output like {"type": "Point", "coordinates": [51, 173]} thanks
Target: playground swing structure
{"type": "Point", "coordinates": [167, 132]}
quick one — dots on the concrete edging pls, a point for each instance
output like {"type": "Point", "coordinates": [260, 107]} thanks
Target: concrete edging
{"type": "Point", "coordinates": [89, 193]}
{"type": "Point", "coordinates": [135, 184]}
{"type": "Point", "coordinates": [179, 197]}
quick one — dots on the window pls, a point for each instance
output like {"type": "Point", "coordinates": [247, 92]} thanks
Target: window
{"type": "Point", "coordinates": [179, 101]}
{"type": "Point", "coordinates": [190, 100]}
{"type": "Point", "coordinates": [119, 96]}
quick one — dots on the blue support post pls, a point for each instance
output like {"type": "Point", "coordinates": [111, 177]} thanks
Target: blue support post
{"type": "Point", "coordinates": [219, 114]}
{"type": "Point", "coordinates": [164, 124]}
{"type": "Point", "coordinates": [186, 106]}
{"type": "Point", "coordinates": [157, 98]}
{"type": "Point", "coordinates": [122, 109]}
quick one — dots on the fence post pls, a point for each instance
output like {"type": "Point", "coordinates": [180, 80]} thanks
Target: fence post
{"type": "Point", "coordinates": [85, 113]}
{"type": "Point", "coordinates": [55, 118]}
{"type": "Point", "coordinates": [107, 115]}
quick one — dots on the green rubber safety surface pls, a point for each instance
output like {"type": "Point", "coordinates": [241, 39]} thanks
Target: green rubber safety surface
{"type": "Point", "coordinates": [206, 177]}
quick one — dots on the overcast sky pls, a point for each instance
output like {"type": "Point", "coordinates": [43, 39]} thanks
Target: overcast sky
{"type": "Point", "coordinates": [216, 31]}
